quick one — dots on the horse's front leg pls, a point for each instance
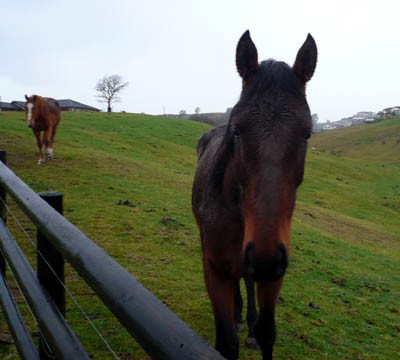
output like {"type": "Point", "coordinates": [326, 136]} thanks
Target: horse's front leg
{"type": "Point", "coordinates": [251, 314]}
{"type": "Point", "coordinates": [265, 330]}
{"type": "Point", "coordinates": [221, 291]}
{"type": "Point", "coordinates": [47, 140]}
{"type": "Point", "coordinates": [238, 308]}
{"type": "Point", "coordinates": [40, 146]}
{"type": "Point", "coordinates": [50, 149]}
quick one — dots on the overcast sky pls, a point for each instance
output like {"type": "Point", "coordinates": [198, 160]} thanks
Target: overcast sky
{"type": "Point", "coordinates": [180, 54]}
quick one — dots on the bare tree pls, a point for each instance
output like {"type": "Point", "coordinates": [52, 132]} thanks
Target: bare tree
{"type": "Point", "coordinates": [109, 88]}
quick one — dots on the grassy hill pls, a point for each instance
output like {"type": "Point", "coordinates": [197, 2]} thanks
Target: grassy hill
{"type": "Point", "coordinates": [342, 291]}
{"type": "Point", "coordinates": [377, 143]}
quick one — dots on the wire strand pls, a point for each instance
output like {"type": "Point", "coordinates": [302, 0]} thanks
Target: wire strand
{"type": "Point", "coordinates": [42, 337]}
{"type": "Point", "coordinates": [86, 316]}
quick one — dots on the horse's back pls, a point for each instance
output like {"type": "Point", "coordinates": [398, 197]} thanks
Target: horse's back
{"type": "Point", "coordinates": [54, 108]}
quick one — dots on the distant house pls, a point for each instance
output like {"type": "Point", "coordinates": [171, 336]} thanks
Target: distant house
{"type": "Point", "coordinates": [380, 115]}
{"type": "Point", "coordinates": [72, 105]}
{"type": "Point", "coordinates": [391, 111]}
{"type": "Point", "coordinates": [20, 105]}
{"type": "Point", "coordinates": [5, 106]}
{"type": "Point", "coordinates": [396, 110]}
{"type": "Point", "coordinates": [65, 104]}
{"type": "Point", "coordinates": [365, 114]}
{"type": "Point", "coordinates": [357, 120]}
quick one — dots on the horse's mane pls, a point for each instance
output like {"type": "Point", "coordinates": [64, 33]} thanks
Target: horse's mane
{"type": "Point", "coordinates": [45, 103]}
{"type": "Point", "coordinates": [273, 78]}
{"type": "Point", "coordinates": [222, 158]}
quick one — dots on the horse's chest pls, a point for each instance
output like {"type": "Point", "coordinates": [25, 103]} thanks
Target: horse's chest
{"type": "Point", "coordinates": [41, 124]}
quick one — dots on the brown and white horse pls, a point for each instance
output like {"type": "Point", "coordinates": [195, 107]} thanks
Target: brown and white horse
{"type": "Point", "coordinates": [244, 191]}
{"type": "Point", "coordinates": [43, 115]}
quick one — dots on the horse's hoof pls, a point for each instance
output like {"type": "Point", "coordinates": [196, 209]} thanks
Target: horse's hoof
{"type": "Point", "coordinates": [239, 326]}
{"type": "Point", "coordinates": [40, 162]}
{"type": "Point", "coordinates": [251, 343]}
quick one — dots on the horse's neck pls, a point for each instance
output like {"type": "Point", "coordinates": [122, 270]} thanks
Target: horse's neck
{"type": "Point", "coordinates": [43, 108]}
{"type": "Point", "coordinates": [42, 114]}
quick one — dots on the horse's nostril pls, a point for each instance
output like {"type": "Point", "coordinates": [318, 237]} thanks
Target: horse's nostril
{"type": "Point", "coordinates": [271, 269]}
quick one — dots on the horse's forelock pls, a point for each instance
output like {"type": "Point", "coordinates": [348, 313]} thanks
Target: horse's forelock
{"type": "Point", "coordinates": [275, 78]}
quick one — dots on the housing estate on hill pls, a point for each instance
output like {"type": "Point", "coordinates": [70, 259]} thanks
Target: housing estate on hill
{"type": "Point", "coordinates": [392, 111]}
{"type": "Point", "coordinates": [362, 117]}
{"type": "Point", "coordinates": [65, 104]}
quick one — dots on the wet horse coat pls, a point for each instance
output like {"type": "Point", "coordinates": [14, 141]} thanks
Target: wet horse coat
{"type": "Point", "coordinates": [43, 116]}
{"type": "Point", "coordinates": [245, 187]}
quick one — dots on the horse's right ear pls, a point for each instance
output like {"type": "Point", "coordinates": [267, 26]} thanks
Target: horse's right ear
{"type": "Point", "coordinates": [26, 97]}
{"type": "Point", "coordinates": [246, 58]}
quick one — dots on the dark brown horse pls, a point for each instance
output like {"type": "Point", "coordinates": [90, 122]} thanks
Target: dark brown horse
{"type": "Point", "coordinates": [43, 115]}
{"type": "Point", "coordinates": [245, 188]}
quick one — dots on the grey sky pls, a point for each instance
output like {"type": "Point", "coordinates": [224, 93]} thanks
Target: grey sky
{"type": "Point", "coordinates": [181, 54]}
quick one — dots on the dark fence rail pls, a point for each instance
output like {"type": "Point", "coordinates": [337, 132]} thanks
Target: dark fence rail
{"type": "Point", "coordinates": [158, 330]}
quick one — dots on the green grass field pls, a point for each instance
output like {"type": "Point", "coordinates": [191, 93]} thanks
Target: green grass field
{"type": "Point", "coordinates": [341, 296]}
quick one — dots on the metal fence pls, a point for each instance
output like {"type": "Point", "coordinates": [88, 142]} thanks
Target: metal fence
{"type": "Point", "coordinates": [155, 327]}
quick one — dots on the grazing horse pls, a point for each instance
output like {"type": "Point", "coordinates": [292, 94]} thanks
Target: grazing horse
{"type": "Point", "coordinates": [43, 115]}
{"type": "Point", "coordinates": [245, 188]}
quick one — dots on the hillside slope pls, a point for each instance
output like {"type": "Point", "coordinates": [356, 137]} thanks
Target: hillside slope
{"type": "Point", "coordinates": [378, 142]}
{"type": "Point", "coordinates": [127, 181]}
{"type": "Point", "coordinates": [354, 173]}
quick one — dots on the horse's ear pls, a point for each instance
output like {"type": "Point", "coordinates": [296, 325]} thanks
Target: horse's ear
{"type": "Point", "coordinates": [306, 60]}
{"type": "Point", "coordinates": [26, 97]}
{"type": "Point", "coordinates": [246, 57]}
{"type": "Point", "coordinates": [34, 97]}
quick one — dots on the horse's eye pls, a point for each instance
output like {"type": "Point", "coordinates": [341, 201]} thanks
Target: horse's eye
{"type": "Point", "coordinates": [235, 131]}
{"type": "Point", "coordinates": [308, 134]}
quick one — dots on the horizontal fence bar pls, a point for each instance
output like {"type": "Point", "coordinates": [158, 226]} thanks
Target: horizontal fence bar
{"type": "Point", "coordinates": [22, 338]}
{"type": "Point", "coordinates": [160, 332]}
{"type": "Point", "coordinates": [50, 320]}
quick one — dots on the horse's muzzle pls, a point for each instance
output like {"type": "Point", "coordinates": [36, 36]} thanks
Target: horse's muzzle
{"type": "Point", "coordinates": [271, 269]}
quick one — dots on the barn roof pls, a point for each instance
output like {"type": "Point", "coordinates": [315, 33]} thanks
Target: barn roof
{"type": "Point", "coordinates": [68, 103]}
{"type": "Point", "coordinates": [64, 103]}
{"type": "Point", "coordinates": [19, 104]}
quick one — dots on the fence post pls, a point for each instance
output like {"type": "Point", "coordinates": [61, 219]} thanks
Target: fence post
{"type": "Point", "coordinates": [3, 210]}
{"type": "Point", "coordinates": [50, 266]}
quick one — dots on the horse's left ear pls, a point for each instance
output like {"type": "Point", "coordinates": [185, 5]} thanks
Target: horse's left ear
{"type": "Point", "coordinates": [306, 60]}
{"type": "Point", "coordinates": [246, 57]}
